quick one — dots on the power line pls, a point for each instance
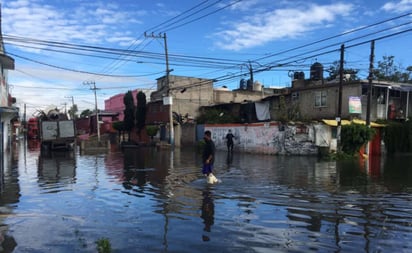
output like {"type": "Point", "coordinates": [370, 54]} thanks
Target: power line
{"type": "Point", "coordinates": [269, 67]}
{"type": "Point", "coordinates": [111, 51]}
{"type": "Point", "coordinates": [203, 16]}
{"type": "Point", "coordinates": [63, 68]}
{"type": "Point", "coordinates": [192, 61]}
{"type": "Point", "coordinates": [176, 17]}
{"type": "Point", "coordinates": [336, 36]}
{"type": "Point", "coordinates": [116, 64]}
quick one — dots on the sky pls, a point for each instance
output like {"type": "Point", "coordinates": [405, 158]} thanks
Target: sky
{"type": "Point", "coordinates": [63, 49]}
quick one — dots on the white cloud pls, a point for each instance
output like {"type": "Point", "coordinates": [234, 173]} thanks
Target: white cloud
{"type": "Point", "coordinates": [261, 28]}
{"type": "Point", "coordinates": [89, 23]}
{"type": "Point", "coordinates": [398, 6]}
{"type": "Point", "coordinates": [243, 5]}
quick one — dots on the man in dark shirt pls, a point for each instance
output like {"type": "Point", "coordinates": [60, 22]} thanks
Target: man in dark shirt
{"type": "Point", "coordinates": [208, 154]}
{"type": "Point", "coordinates": [229, 141]}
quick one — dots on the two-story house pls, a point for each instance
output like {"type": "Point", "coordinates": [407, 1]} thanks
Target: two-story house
{"type": "Point", "coordinates": [317, 99]}
{"type": "Point", "coordinates": [7, 111]}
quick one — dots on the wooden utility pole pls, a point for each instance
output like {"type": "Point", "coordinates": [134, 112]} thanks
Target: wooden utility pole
{"type": "Point", "coordinates": [169, 94]}
{"type": "Point", "coordinates": [370, 79]}
{"type": "Point", "coordinates": [339, 116]}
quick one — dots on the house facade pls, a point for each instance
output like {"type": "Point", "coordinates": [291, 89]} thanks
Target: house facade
{"type": "Point", "coordinates": [314, 101]}
{"type": "Point", "coordinates": [189, 95]}
{"type": "Point", "coordinates": [115, 103]}
{"type": "Point", "coordinates": [8, 113]}
{"type": "Point", "coordinates": [319, 100]}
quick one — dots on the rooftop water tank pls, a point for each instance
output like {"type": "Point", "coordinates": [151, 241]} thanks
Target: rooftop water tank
{"type": "Point", "coordinates": [249, 85]}
{"type": "Point", "coordinates": [242, 84]}
{"type": "Point", "coordinates": [299, 75]}
{"type": "Point", "coordinates": [257, 86]}
{"type": "Point", "coordinates": [316, 71]}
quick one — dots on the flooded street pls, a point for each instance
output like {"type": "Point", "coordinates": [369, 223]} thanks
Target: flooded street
{"type": "Point", "coordinates": [148, 200]}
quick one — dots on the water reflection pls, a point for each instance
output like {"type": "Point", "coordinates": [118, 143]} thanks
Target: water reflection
{"type": "Point", "coordinates": [9, 195]}
{"type": "Point", "coordinates": [207, 213]}
{"type": "Point", "coordinates": [56, 169]}
{"type": "Point", "coordinates": [229, 158]}
{"type": "Point", "coordinates": [149, 200]}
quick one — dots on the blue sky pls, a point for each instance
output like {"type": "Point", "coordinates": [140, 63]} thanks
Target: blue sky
{"type": "Point", "coordinates": [60, 45]}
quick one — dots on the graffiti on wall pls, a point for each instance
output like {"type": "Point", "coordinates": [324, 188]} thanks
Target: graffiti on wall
{"type": "Point", "coordinates": [265, 138]}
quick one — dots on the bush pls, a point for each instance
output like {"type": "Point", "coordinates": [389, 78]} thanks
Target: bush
{"type": "Point", "coordinates": [397, 137]}
{"type": "Point", "coordinates": [354, 136]}
{"type": "Point", "coordinates": [152, 131]}
{"type": "Point", "coordinates": [214, 116]}
{"type": "Point", "coordinates": [118, 125]}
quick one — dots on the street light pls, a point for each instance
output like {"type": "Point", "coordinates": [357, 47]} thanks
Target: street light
{"type": "Point", "coordinates": [95, 106]}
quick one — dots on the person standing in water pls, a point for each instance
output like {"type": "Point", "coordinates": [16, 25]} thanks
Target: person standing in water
{"type": "Point", "coordinates": [208, 156]}
{"type": "Point", "coordinates": [229, 141]}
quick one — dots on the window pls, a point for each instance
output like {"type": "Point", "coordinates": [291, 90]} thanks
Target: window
{"type": "Point", "coordinates": [320, 98]}
{"type": "Point", "coordinates": [394, 93]}
{"type": "Point", "coordinates": [295, 96]}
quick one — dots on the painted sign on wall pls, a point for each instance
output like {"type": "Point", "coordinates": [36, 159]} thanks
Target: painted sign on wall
{"type": "Point", "coordinates": [355, 105]}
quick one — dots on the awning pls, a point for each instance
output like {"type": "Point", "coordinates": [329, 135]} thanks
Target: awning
{"type": "Point", "coordinates": [332, 122]}
{"type": "Point", "coordinates": [6, 61]}
{"type": "Point", "coordinates": [9, 112]}
{"type": "Point", "coordinates": [393, 86]}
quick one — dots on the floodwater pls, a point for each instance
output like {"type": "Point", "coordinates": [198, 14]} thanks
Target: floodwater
{"type": "Point", "coordinates": [148, 200]}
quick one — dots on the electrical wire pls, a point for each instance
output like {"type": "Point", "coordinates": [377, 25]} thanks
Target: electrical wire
{"type": "Point", "coordinates": [117, 64]}
{"type": "Point", "coordinates": [175, 17]}
{"type": "Point", "coordinates": [191, 61]}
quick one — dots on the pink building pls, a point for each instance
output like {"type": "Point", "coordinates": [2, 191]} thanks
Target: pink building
{"type": "Point", "coordinates": [115, 104]}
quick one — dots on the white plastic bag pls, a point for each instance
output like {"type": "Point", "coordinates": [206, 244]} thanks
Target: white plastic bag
{"type": "Point", "coordinates": [211, 179]}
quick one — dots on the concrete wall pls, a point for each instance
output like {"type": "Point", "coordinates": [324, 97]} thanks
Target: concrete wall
{"type": "Point", "coordinates": [267, 138]}
{"type": "Point", "coordinates": [188, 136]}
{"type": "Point", "coordinates": [237, 96]}
{"type": "Point", "coordinates": [188, 93]}
{"type": "Point", "coordinates": [307, 101]}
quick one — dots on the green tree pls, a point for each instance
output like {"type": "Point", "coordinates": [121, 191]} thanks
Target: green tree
{"type": "Point", "coordinates": [129, 116]}
{"type": "Point", "coordinates": [333, 71]}
{"type": "Point", "coordinates": [73, 111]}
{"type": "Point", "coordinates": [388, 70]}
{"type": "Point", "coordinates": [288, 110]}
{"type": "Point", "coordinates": [152, 131]}
{"type": "Point", "coordinates": [85, 113]}
{"type": "Point", "coordinates": [140, 111]}
{"type": "Point", "coordinates": [216, 116]}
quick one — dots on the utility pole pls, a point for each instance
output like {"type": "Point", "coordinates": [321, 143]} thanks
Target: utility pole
{"type": "Point", "coordinates": [251, 72]}
{"type": "Point", "coordinates": [370, 79]}
{"type": "Point", "coordinates": [339, 116]}
{"type": "Point", "coordinates": [92, 85]}
{"type": "Point", "coordinates": [169, 94]}
{"type": "Point", "coordinates": [71, 112]}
